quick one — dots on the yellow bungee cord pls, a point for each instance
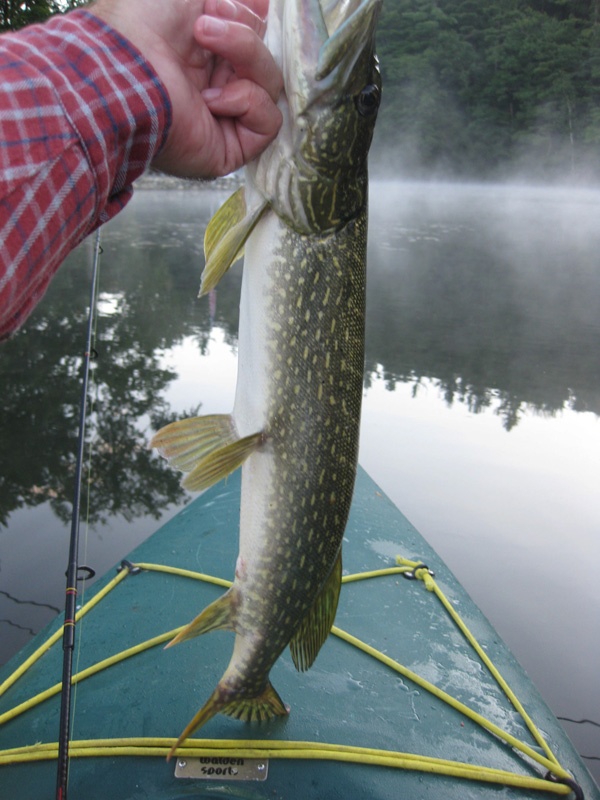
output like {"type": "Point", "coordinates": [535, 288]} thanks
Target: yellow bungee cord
{"type": "Point", "coordinates": [238, 748]}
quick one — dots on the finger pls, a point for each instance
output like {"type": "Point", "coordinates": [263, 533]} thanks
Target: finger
{"type": "Point", "coordinates": [257, 119]}
{"type": "Point", "coordinates": [246, 100]}
{"type": "Point", "coordinates": [247, 14]}
{"type": "Point", "coordinates": [243, 49]}
{"type": "Point", "coordinates": [258, 7]}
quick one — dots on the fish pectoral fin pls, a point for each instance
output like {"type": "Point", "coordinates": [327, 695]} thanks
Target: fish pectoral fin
{"type": "Point", "coordinates": [225, 237]}
{"type": "Point", "coordinates": [316, 625]}
{"type": "Point", "coordinates": [227, 216]}
{"type": "Point", "coordinates": [257, 709]}
{"type": "Point", "coordinates": [208, 448]}
{"type": "Point", "coordinates": [219, 615]}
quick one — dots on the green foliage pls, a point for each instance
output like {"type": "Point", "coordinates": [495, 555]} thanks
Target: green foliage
{"type": "Point", "coordinates": [15, 14]}
{"type": "Point", "coordinates": [472, 88]}
{"type": "Point", "coordinates": [477, 87]}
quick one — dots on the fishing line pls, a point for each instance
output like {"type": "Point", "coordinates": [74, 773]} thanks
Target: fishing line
{"type": "Point", "coordinates": [93, 393]}
{"type": "Point", "coordinates": [73, 569]}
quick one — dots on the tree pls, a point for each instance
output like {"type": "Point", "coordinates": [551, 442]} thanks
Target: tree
{"type": "Point", "coordinates": [472, 87]}
{"type": "Point", "coordinates": [15, 14]}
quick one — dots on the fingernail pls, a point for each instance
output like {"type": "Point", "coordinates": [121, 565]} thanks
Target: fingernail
{"type": "Point", "coordinates": [211, 94]}
{"type": "Point", "coordinates": [228, 8]}
{"type": "Point", "coordinates": [214, 27]}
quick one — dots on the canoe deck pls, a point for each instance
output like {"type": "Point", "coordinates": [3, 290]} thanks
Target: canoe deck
{"type": "Point", "coordinates": [350, 698]}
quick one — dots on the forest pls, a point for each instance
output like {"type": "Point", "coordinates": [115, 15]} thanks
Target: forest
{"type": "Point", "coordinates": [14, 14]}
{"type": "Point", "coordinates": [491, 88]}
{"type": "Point", "coordinates": [485, 89]}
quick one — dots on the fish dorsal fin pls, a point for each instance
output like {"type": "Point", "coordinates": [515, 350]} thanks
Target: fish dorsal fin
{"type": "Point", "coordinates": [225, 237]}
{"type": "Point", "coordinates": [315, 627]}
{"type": "Point", "coordinates": [219, 615]}
{"type": "Point", "coordinates": [208, 448]}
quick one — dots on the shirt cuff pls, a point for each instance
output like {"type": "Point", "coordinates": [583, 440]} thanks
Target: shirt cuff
{"type": "Point", "coordinates": [111, 97]}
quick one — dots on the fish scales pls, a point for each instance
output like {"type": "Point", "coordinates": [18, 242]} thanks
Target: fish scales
{"type": "Point", "coordinates": [311, 426]}
{"type": "Point", "coordinates": [302, 222]}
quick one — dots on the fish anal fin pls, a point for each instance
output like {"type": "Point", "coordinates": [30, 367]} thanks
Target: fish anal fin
{"type": "Point", "coordinates": [316, 625]}
{"type": "Point", "coordinates": [219, 615]}
{"type": "Point", "coordinates": [221, 462]}
{"type": "Point", "coordinates": [257, 709]}
{"type": "Point", "coordinates": [207, 448]}
{"type": "Point", "coordinates": [225, 237]}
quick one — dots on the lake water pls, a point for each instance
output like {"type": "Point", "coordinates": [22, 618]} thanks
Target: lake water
{"type": "Point", "coordinates": [481, 406]}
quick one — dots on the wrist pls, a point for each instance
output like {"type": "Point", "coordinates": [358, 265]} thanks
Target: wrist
{"type": "Point", "coordinates": [111, 96]}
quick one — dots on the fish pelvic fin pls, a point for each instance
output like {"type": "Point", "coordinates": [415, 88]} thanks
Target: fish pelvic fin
{"type": "Point", "coordinates": [219, 615]}
{"type": "Point", "coordinates": [208, 448]}
{"type": "Point", "coordinates": [316, 625]}
{"type": "Point", "coordinates": [225, 237]}
{"type": "Point", "coordinates": [256, 709]}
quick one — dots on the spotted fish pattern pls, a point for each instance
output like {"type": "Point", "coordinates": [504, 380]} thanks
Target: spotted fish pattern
{"type": "Point", "coordinates": [316, 352]}
{"type": "Point", "coordinates": [302, 222]}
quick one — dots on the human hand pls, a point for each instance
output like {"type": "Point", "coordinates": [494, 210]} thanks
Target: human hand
{"type": "Point", "coordinates": [222, 80]}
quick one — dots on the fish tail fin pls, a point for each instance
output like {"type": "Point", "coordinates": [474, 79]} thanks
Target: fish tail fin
{"type": "Point", "coordinates": [265, 706]}
{"type": "Point", "coordinates": [208, 448]}
{"type": "Point", "coordinates": [219, 615]}
{"type": "Point", "coordinates": [213, 705]}
{"type": "Point", "coordinates": [255, 709]}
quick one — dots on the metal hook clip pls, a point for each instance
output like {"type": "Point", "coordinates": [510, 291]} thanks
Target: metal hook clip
{"type": "Point", "coordinates": [131, 568]}
{"type": "Point", "coordinates": [411, 575]}
{"type": "Point", "coordinates": [575, 787]}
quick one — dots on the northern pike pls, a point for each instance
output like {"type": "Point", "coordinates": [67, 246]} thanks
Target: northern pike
{"type": "Point", "coordinates": [301, 222]}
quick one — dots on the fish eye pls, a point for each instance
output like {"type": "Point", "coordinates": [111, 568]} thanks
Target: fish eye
{"type": "Point", "coordinates": [367, 101]}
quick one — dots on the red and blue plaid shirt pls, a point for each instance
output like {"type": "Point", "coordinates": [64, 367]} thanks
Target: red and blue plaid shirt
{"type": "Point", "coordinates": [82, 114]}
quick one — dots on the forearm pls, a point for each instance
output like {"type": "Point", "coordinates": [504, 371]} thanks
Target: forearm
{"type": "Point", "coordinates": [82, 114]}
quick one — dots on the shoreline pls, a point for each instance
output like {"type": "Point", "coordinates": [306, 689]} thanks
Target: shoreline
{"type": "Point", "coordinates": [158, 180]}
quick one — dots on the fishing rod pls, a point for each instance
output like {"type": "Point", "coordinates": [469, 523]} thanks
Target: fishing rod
{"type": "Point", "coordinates": [73, 569]}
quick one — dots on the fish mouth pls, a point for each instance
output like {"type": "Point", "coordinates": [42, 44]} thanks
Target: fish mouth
{"type": "Point", "coordinates": [351, 29]}
{"type": "Point", "coordinates": [314, 174]}
{"type": "Point", "coordinates": [333, 35]}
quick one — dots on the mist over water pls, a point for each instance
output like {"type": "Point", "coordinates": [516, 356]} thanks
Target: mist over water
{"type": "Point", "coordinates": [481, 411]}
{"type": "Point", "coordinates": [492, 290]}
{"type": "Point", "coordinates": [482, 417]}
{"type": "Point", "coordinates": [537, 161]}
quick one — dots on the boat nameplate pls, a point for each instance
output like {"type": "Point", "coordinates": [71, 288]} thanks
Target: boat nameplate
{"type": "Point", "coordinates": [222, 768]}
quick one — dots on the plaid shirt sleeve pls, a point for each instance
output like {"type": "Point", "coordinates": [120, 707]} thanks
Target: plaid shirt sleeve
{"type": "Point", "coordinates": [82, 114]}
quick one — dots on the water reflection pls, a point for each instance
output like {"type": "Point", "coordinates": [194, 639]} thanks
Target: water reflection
{"type": "Point", "coordinates": [39, 405]}
{"type": "Point", "coordinates": [493, 294]}
{"type": "Point", "coordinates": [494, 303]}
{"type": "Point", "coordinates": [488, 298]}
